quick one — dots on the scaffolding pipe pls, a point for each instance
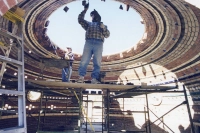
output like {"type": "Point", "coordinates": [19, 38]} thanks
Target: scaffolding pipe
{"type": "Point", "coordinates": [189, 112]}
{"type": "Point", "coordinates": [66, 114]}
{"type": "Point", "coordinates": [38, 125]}
{"type": "Point", "coordinates": [102, 110]}
{"type": "Point", "coordinates": [145, 119]}
{"type": "Point", "coordinates": [2, 104]}
{"type": "Point", "coordinates": [108, 110]}
{"type": "Point", "coordinates": [45, 111]}
{"type": "Point", "coordinates": [170, 111]}
{"type": "Point", "coordinates": [87, 113]}
{"type": "Point", "coordinates": [148, 114]}
{"type": "Point", "coordinates": [80, 111]}
{"type": "Point", "coordinates": [161, 121]}
{"type": "Point", "coordinates": [81, 107]}
{"type": "Point", "coordinates": [123, 115]}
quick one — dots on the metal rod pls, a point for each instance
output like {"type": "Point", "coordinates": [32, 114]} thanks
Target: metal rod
{"type": "Point", "coordinates": [123, 116]}
{"type": "Point", "coordinates": [38, 124]}
{"type": "Point", "coordinates": [79, 119]}
{"type": "Point", "coordinates": [92, 111]}
{"type": "Point", "coordinates": [66, 114]}
{"type": "Point", "coordinates": [87, 113]}
{"type": "Point", "coordinates": [130, 111]}
{"type": "Point", "coordinates": [170, 111]}
{"type": "Point", "coordinates": [145, 119]}
{"type": "Point", "coordinates": [2, 104]}
{"type": "Point", "coordinates": [148, 114]}
{"type": "Point", "coordinates": [189, 112]}
{"type": "Point", "coordinates": [139, 91]}
{"type": "Point", "coordinates": [108, 119]}
{"type": "Point", "coordinates": [162, 121]}
{"type": "Point", "coordinates": [21, 81]}
{"type": "Point", "coordinates": [44, 111]}
{"type": "Point", "coordinates": [102, 110]}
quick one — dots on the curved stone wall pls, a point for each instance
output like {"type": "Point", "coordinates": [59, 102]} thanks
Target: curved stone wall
{"type": "Point", "coordinates": [168, 52]}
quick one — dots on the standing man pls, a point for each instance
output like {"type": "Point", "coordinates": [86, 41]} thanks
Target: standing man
{"type": "Point", "coordinates": [96, 31]}
{"type": "Point", "coordinates": [66, 73]}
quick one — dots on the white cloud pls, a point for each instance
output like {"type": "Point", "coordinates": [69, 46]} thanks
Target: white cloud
{"type": "Point", "coordinates": [194, 2]}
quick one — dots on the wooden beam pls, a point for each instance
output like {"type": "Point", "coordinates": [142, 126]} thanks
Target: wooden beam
{"type": "Point", "coordinates": [58, 84]}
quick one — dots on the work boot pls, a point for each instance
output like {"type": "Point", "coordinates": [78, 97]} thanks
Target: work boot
{"type": "Point", "coordinates": [80, 79]}
{"type": "Point", "coordinates": [94, 81]}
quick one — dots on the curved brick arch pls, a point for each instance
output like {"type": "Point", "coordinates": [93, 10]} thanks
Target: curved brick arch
{"type": "Point", "coordinates": [163, 22]}
{"type": "Point", "coordinates": [5, 5]}
{"type": "Point", "coordinates": [173, 56]}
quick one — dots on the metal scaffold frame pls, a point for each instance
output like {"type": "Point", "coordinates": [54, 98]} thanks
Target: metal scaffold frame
{"type": "Point", "coordinates": [19, 63]}
{"type": "Point", "coordinates": [147, 109]}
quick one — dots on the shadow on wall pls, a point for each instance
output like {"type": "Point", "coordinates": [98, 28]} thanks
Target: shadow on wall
{"type": "Point", "coordinates": [155, 128]}
{"type": "Point", "coordinates": [183, 130]}
{"type": "Point", "coordinates": [166, 111]}
{"type": "Point", "coordinates": [124, 120]}
{"type": "Point", "coordinates": [153, 75]}
{"type": "Point", "coordinates": [120, 120]}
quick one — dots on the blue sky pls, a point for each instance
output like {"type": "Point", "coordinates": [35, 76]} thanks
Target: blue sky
{"type": "Point", "coordinates": [124, 26]}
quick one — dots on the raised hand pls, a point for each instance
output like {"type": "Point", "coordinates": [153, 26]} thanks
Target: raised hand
{"type": "Point", "coordinates": [86, 6]}
{"type": "Point", "coordinates": [102, 25]}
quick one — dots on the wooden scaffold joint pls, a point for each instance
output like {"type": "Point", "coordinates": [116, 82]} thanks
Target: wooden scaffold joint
{"type": "Point", "coordinates": [15, 14]}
